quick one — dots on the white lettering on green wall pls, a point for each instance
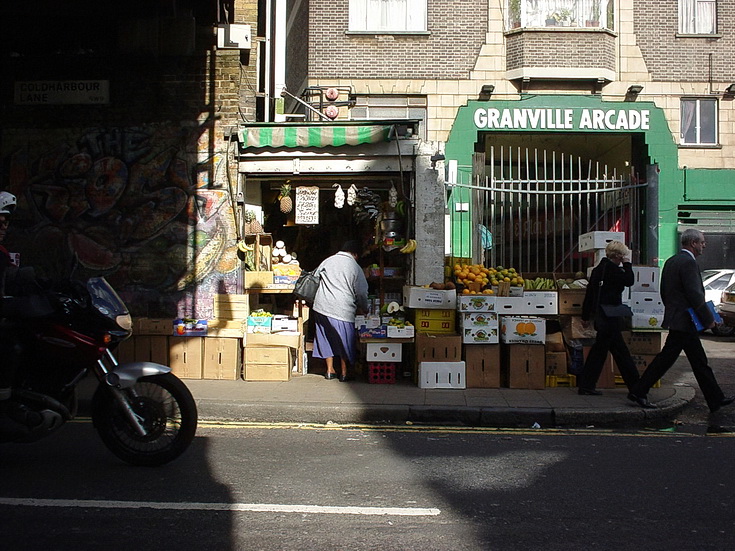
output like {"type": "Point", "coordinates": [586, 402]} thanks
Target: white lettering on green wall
{"type": "Point", "coordinates": [562, 119]}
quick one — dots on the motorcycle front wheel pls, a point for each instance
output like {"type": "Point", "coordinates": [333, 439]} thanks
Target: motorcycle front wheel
{"type": "Point", "coordinates": [164, 407]}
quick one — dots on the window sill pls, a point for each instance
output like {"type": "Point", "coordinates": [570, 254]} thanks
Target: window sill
{"type": "Point", "coordinates": [699, 146]}
{"type": "Point", "coordinates": [417, 33]}
{"type": "Point", "coordinates": [703, 35]}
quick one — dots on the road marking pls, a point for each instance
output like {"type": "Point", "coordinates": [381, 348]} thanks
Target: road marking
{"type": "Point", "coordinates": [239, 507]}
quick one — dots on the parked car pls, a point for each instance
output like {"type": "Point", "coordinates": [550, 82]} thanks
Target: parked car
{"type": "Point", "coordinates": [727, 308]}
{"type": "Point", "coordinates": [715, 284]}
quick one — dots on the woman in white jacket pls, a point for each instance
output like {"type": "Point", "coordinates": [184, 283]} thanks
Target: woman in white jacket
{"type": "Point", "coordinates": [342, 293]}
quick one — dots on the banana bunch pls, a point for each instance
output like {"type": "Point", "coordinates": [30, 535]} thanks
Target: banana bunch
{"type": "Point", "coordinates": [244, 247]}
{"type": "Point", "coordinates": [539, 284]}
{"type": "Point", "coordinates": [409, 247]}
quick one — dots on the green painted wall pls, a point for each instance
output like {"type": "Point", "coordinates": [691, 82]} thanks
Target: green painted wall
{"type": "Point", "coordinates": [702, 186]}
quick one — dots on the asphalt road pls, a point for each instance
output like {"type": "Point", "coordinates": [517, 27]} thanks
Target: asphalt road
{"type": "Point", "coordinates": [275, 487]}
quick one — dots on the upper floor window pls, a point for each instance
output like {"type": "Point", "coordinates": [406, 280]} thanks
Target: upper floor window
{"type": "Point", "coordinates": [698, 16]}
{"type": "Point", "coordinates": [698, 121]}
{"type": "Point", "coordinates": [388, 15]}
{"type": "Point", "coordinates": [560, 13]}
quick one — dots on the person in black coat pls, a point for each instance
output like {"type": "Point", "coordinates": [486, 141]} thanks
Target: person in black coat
{"type": "Point", "coordinates": [681, 289]}
{"type": "Point", "coordinates": [605, 288]}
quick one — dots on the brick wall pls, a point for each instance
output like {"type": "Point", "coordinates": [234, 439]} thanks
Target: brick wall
{"type": "Point", "coordinates": [456, 34]}
{"type": "Point", "coordinates": [560, 49]}
{"type": "Point", "coordinates": [672, 58]}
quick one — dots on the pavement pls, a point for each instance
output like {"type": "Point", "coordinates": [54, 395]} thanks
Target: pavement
{"type": "Point", "coordinates": [313, 399]}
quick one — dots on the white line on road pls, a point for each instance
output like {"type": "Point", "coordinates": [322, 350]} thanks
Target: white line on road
{"type": "Point", "coordinates": [252, 507]}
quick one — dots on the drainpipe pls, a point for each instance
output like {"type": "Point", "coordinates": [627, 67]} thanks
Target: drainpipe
{"type": "Point", "coordinates": [652, 214]}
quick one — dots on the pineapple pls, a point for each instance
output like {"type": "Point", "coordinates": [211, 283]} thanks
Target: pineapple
{"type": "Point", "coordinates": [285, 198]}
{"type": "Point", "coordinates": [251, 223]}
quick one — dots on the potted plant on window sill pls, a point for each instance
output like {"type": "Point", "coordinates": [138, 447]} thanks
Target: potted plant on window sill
{"type": "Point", "coordinates": [514, 9]}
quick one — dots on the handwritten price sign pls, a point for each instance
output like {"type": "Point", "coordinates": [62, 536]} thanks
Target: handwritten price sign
{"type": "Point", "coordinates": [307, 205]}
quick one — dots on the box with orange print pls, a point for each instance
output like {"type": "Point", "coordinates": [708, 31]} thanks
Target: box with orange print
{"type": "Point", "coordinates": [522, 330]}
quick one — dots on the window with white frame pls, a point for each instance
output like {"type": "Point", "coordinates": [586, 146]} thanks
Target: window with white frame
{"type": "Point", "coordinates": [560, 13]}
{"type": "Point", "coordinates": [698, 16]}
{"type": "Point", "coordinates": [698, 124]}
{"type": "Point", "coordinates": [388, 15]}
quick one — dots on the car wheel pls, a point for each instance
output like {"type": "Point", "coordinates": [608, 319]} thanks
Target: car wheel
{"type": "Point", "coordinates": [723, 330]}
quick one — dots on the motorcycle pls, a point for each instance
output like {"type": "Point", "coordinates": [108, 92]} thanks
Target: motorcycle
{"type": "Point", "coordinates": [141, 411]}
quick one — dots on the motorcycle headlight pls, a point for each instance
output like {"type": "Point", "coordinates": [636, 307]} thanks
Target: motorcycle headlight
{"type": "Point", "coordinates": [125, 322]}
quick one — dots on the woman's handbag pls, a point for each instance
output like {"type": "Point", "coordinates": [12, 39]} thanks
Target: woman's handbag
{"type": "Point", "coordinates": [306, 286]}
{"type": "Point", "coordinates": [616, 311]}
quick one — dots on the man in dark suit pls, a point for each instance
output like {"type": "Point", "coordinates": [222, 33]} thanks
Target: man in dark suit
{"type": "Point", "coordinates": [682, 288]}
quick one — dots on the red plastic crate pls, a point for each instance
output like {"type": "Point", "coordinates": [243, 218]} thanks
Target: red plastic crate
{"type": "Point", "coordinates": [381, 372]}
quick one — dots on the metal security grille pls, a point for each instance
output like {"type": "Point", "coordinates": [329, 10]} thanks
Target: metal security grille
{"type": "Point", "coordinates": [531, 206]}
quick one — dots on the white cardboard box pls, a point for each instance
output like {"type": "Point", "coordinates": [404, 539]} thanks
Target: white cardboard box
{"type": "Point", "coordinates": [384, 352]}
{"type": "Point", "coordinates": [442, 375]}
{"type": "Point", "coordinates": [530, 304]}
{"type": "Point", "coordinates": [599, 239]}
{"type": "Point", "coordinates": [421, 297]}
{"type": "Point", "coordinates": [406, 332]}
{"type": "Point", "coordinates": [647, 321]}
{"type": "Point", "coordinates": [522, 330]}
{"type": "Point", "coordinates": [646, 303]}
{"type": "Point", "coordinates": [481, 335]}
{"type": "Point", "coordinates": [646, 279]}
{"type": "Point", "coordinates": [478, 320]}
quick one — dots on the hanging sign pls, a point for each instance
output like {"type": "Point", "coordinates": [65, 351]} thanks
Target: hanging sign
{"type": "Point", "coordinates": [307, 205]}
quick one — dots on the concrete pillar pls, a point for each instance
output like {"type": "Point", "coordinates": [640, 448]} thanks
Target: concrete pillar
{"type": "Point", "coordinates": [429, 215]}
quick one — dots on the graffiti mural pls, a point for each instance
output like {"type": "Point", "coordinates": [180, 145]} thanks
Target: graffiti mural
{"type": "Point", "coordinates": [132, 204]}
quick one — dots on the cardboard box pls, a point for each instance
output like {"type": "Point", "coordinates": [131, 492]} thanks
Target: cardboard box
{"type": "Point", "coordinates": [442, 320]}
{"type": "Point", "coordinates": [646, 303]}
{"type": "Point", "coordinates": [290, 339]}
{"type": "Point", "coordinates": [406, 332]}
{"type": "Point", "coordinates": [384, 352]}
{"type": "Point", "coordinates": [555, 342]}
{"type": "Point", "coordinates": [225, 328]}
{"type": "Point", "coordinates": [125, 351]}
{"type": "Point", "coordinates": [607, 375]}
{"type": "Point", "coordinates": [522, 330]}
{"type": "Point", "coordinates": [647, 321]}
{"type": "Point", "coordinates": [573, 328]}
{"type": "Point", "coordinates": [151, 348]}
{"type": "Point", "coordinates": [556, 363]}
{"type": "Point", "coordinates": [222, 358]}
{"type": "Point", "coordinates": [380, 332]}
{"type": "Point", "coordinates": [259, 324]}
{"type": "Point", "coordinates": [476, 303]}
{"type": "Point", "coordinates": [267, 355]}
{"type": "Point", "coordinates": [231, 307]}
{"type": "Point", "coordinates": [152, 326]}
{"type": "Point", "coordinates": [184, 327]}
{"type": "Point", "coordinates": [644, 342]}
{"type": "Point", "coordinates": [646, 279]}
{"type": "Point", "coordinates": [265, 372]}
{"type": "Point", "coordinates": [481, 335]}
{"type": "Point", "coordinates": [534, 303]}
{"type": "Point", "coordinates": [283, 323]}
{"type": "Point", "coordinates": [478, 320]}
{"type": "Point", "coordinates": [186, 356]}
{"type": "Point", "coordinates": [257, 280]}
{"type": "Point", "coordinates": [421, 297]}
{"type": "Point", "coordinates": [437, 347]}
{"type": "Point", "coordinates": [482, 365]}
{"type": "Point", "coordinates": [524, 366]}
{"type": "Point", "coordinates": [599, 239]}
{"type": "Point", "coordinates": [442, 375]}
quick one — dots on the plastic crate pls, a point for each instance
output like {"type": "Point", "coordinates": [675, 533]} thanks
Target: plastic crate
{"type": "Point", "coordinates": [556, 381]}
{"type": "Point", "coordinates": [381, 372]}
{"type": "Point", "coordinates": [442, 375]}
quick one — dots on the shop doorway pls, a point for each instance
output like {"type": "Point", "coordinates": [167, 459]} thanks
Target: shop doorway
{"type": "Point", "coordinates": [531, 206]}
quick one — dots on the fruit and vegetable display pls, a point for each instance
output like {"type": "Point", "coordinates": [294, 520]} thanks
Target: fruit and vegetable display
{"type": "Point", "coordinates": [540, 284]}
{"type": "Point", "coordinates": [579, 281]}
{"type": "Point", "coordinates": [479, 279]}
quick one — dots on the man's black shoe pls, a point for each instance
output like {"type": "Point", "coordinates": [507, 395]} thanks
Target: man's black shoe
{"type": "Point", "coordinates": [641, 401]}
{"type": "Point", "coordinates": [726, 401]}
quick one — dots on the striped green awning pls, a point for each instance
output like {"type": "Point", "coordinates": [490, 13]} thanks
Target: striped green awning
{"type": "Point", "coordinates": [312, 136]}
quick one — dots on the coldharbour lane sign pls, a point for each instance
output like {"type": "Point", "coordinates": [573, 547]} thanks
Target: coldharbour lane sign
{"type": "Point", "coordinates": [562, 119]}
